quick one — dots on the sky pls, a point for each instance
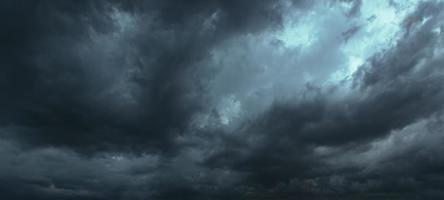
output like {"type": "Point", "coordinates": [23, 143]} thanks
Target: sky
{"type": "Point", "coordinates": [221, 99]}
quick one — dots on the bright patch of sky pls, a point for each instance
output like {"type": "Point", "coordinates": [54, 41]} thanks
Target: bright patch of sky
{"type": "Point", "coordinates": [320, 46]}
{"type": "Point", "coordinates": [380, 23]}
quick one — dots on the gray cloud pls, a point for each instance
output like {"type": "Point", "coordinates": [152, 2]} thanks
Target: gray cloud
{"type": "Point", "coordinates": [221, 100]}
{"type": "Point", "coordinates": [104, 75]}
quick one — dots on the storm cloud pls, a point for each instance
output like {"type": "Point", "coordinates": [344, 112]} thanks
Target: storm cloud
{"type": "Point", "coordinates": [222, 99]}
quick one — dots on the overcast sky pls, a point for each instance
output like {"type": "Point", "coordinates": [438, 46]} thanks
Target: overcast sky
{"type": "Point", "coordinates": [221, 99]}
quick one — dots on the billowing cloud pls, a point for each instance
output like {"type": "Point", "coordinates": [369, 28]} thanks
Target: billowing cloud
{"type": "Point", "coordinates": [286, 99]}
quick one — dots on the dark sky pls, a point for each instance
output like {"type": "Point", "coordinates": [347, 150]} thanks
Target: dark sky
{"type": "Point", "coordinates": [221, 99]}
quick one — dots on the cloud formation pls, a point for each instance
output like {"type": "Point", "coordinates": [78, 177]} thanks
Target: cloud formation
{"type": "Point", "coordinates": [286, 99]}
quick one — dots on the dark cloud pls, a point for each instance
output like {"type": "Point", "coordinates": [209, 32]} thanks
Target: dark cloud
{"type": "Point", "coordinates": [115, 100]}
{"type": "Point", "coordinates": [78, 74]}
{"type": "Point", "coordinates": [350, 32]}
{"type": "Point", "coordinates": [395, 88]}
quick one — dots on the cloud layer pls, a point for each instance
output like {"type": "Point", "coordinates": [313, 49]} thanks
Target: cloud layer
{"type": "Point", "coordinates": [285, 99]}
